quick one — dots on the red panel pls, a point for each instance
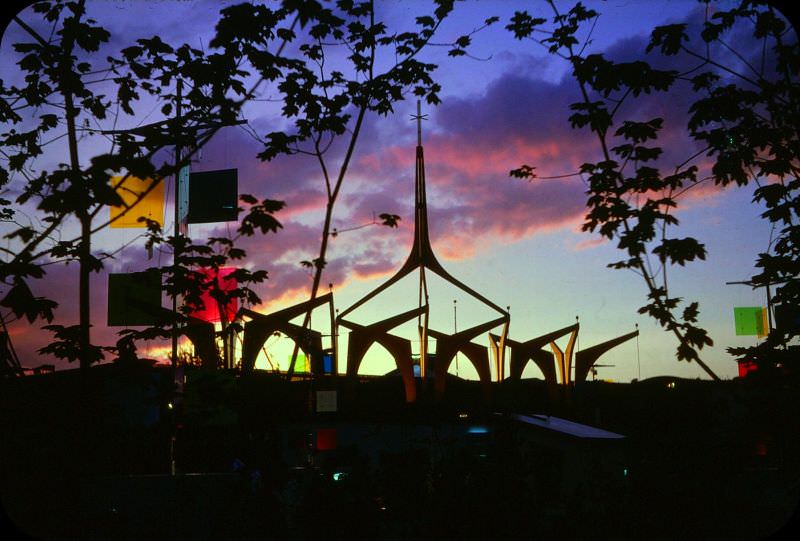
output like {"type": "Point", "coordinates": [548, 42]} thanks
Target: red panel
{"type": "Point", "coordinates": [226, 283]}
{"type": "Point", "coordinates": [326, 439]}
{"type": "Point", "coordinates": [746, 367]}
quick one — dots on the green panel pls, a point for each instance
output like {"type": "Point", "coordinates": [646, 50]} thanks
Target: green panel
{"type": "Point", "coordinates": [301, 364]}
{"type": "Point", "coordinates": [134, 298]}
{"type": "Point", "coordinates": [749, 320]}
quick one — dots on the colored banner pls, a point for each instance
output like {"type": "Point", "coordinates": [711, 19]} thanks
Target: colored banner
{"type": "Point", "coordinates": [326, 401]}
{"type": "Point", "coordinates": [134, 298]}
{"type": "Point", "coordinates": [301, 365]}
{"type": "Point", "coordinates": [787, 318]}
{"type": "Point", "coordinates": [751, 320]}
{"type": "Point", "coordinates": [745, 367]}
{"type": "Point", "coordinates": [151, 205]}
{"type": "Point", "coordinates": [326, 439]}
{"type": "Point", "coordinates": [183, 195]}
{"type": "Point", "coordinates": [213, 196]}
{"type": "Point", "coordinates": [226, 283]}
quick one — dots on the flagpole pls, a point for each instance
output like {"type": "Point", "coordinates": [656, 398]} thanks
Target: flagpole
{"type": "Point", "coordinates": [177, 230]}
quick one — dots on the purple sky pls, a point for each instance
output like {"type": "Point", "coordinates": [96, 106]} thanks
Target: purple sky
{"type": "Point", "coordinates": [516, 242]}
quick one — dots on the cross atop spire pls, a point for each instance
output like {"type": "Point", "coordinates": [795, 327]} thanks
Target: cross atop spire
{"type": "Point", "coordinates": [419, 117]}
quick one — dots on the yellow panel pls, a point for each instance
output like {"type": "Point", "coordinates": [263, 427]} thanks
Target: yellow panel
{"type": "Point", "coordinates": [763, 327]}
{"type": "Point", "coordinates": [151, 206]}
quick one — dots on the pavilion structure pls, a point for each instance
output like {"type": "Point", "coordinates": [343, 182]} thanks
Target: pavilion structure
{"type": "Point", "coordinates": [556, 365]}
{"type": "Point", "coordinates": [422, 259]}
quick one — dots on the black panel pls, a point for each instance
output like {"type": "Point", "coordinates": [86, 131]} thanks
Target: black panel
{"type": "Point", "coordinates": [134, 298]}
{"type": "Point", "coordinates": [213, 196]}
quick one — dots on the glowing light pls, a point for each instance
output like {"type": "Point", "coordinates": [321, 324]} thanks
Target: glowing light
{"type": "Point", "coordinates": [226, 283]}
{"type": "Point", "coordinates": [477, 430]}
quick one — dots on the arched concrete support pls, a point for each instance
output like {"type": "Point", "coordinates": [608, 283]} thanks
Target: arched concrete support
{"type": "Point", "coordinates": [447, 345]}
{"type": "Point", "coordinates": [585, 359]}
{"type": "Point", "coordinates": [479, 357]}
{"type": "Point", "coordinates": [547, 364]}
{"type": "Point", "coordinates": [522, 352]}
{"type": "Point", "coordinates": [497, 344]}
{"type": "Point", "coordinates": [362, 337]}
{"type": "Point", "coordinates": [256, 333]}
{"type": "Point", "coordinates": [261, 326]}
{"type": "Point", "coordinates": [564, 358]}
{"type": "Point", "coordinates": [446, 350]}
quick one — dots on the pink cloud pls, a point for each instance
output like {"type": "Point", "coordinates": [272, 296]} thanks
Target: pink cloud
{"type": "Point", "coordinates": [590, 243]}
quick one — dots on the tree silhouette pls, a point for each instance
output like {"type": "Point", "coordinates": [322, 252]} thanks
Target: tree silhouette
{"type": "Point", "coordinates": [71, 90]}
{"type": "Point", "coordinates": [327, 64]}
{"type": "Point", "coordinates": [743, 118]}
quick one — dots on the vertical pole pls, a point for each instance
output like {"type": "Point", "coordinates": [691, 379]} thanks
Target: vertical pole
{"type": "Point", "coordinates": [175, 255]}
{"type": "Point", "coordinates": [455, 329]}
{"type": "Point", "coordinates": [419, 124]}
{"type": "Point", "coordinates": [638, 362]}
{"type": "Point", "coordinates": [334, 334]}
{"type": "Point", "coordinates": [177, 230]}
{"type": "Point", "coordinates": [769, 310]}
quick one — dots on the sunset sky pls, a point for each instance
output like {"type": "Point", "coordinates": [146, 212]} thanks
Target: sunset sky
{"type": "Point", "coordinates": [516, 242]}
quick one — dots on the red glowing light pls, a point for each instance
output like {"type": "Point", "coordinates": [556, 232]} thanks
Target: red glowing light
{"type": "Point", "coordinates": [226, 284]}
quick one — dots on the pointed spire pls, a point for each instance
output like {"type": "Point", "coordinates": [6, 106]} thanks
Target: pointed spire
{"type": "Point", "coordinates": [422, 256]}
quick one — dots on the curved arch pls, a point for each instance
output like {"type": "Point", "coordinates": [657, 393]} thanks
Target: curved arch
{"type": "Point", "coordinates": [522, 352]}
{"type": "Point", "coordinates": [261, 326]}
{"type": "Point", "coordinates": [586, 358]}
{"type": "Point", "coordinates": [448, 344]}
{"type": "Point", "coordinates": [362, 337]}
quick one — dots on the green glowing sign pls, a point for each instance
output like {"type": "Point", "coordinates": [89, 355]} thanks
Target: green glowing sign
{"type": "Point", "coordinates": [750, 320]}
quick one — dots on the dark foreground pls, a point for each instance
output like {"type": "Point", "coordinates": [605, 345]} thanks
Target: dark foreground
{"type": "Point", "coordinates": [89, 458]}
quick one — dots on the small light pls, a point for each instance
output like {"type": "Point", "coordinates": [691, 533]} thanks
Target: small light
{"type": "Point", "coordinates": [462, 415]}
{"type": "Point", "coordinates": [477, 430]}
{"type": "Point", "coordinates": [671, 385]}
{"type": "Point", "coordinates": [339, 476]}
{"type": "Point", "coordinates": [169, 405]}
{"type": "Point", "coordinates": [625, 472]}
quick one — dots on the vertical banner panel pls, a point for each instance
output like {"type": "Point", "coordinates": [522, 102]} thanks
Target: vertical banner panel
{"type": "Point", "coordinates": [749, 320]}
{"type": "Point", "coordinates": [213, 196]}
{"type": "Point", "coordinates": [226, 283]}
{"type": "Point", "coordinates": [134, 298]}
{"type": "Point", "coordinates": [150, 206]}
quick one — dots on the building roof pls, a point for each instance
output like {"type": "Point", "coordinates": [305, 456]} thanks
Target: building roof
{"type": "Point", "coordinates": [567, 427]}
